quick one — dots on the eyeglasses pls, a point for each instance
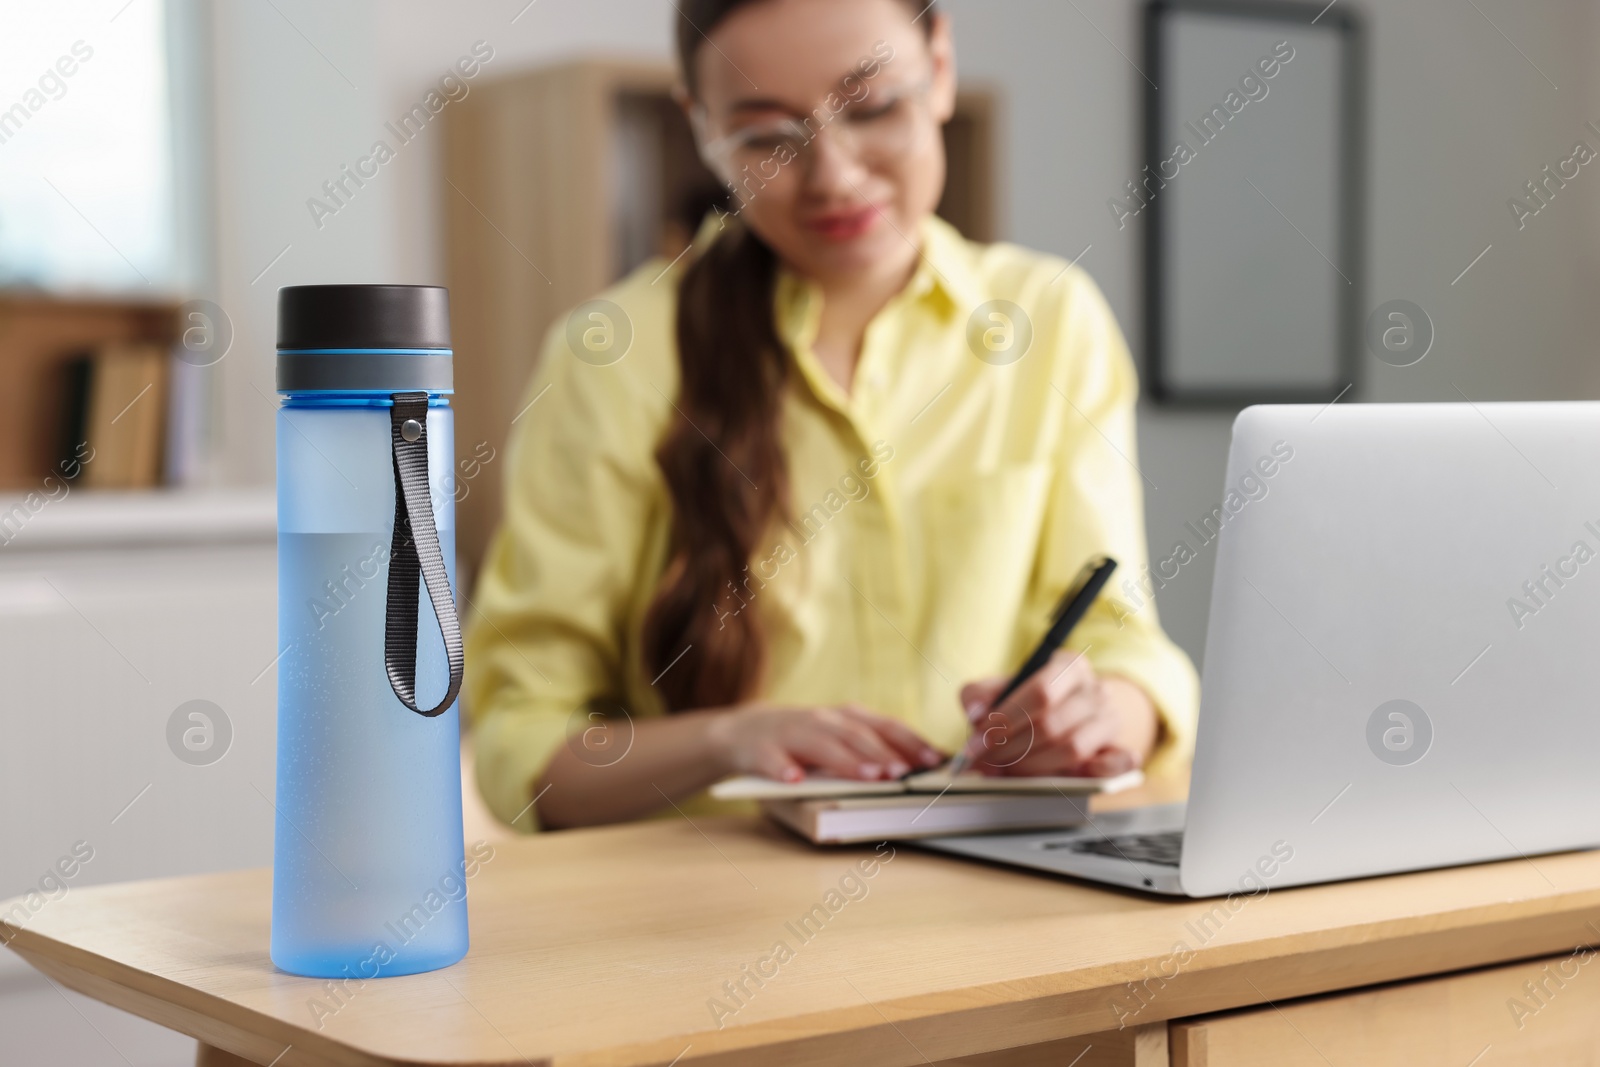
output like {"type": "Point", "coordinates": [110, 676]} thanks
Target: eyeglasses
{"type": "Point", "coordinates": [881, 125]}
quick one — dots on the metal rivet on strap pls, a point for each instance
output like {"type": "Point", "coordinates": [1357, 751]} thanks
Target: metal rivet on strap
{"type": "Point", "coordinates": [411, 429]}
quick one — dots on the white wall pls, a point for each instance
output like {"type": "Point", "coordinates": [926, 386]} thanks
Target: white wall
{"type": "Point", "coordinates": [301, 94]}
{"type": "Point", "coordinates": [1458, 121]}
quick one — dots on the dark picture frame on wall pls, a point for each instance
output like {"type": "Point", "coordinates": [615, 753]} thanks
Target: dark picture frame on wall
{"type": "Point", "coordinates": [1252, 197]}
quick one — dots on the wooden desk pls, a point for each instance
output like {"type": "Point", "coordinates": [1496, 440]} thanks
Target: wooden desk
{"type": "Point", "coordinates": [612, 947]}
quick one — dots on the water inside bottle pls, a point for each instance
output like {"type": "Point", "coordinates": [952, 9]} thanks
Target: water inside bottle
{"type": "Point", "coordinates": [370, 876]}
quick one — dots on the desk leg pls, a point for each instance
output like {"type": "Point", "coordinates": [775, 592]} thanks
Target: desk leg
{"type": "Point", "coordinates": [1137, 1046]}
{"type": "Point", "coordinates": [211, 1056]}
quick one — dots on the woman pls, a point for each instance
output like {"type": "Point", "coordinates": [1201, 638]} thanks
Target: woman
{"type": "Point", "coordinates": [828, 495]}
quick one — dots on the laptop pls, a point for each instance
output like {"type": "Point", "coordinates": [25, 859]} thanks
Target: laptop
{"type": "Point", "coordinates": [1402, 663]}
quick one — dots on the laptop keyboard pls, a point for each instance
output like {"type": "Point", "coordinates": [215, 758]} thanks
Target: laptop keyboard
{"type": "Point", "coordinates": [1163, 849]}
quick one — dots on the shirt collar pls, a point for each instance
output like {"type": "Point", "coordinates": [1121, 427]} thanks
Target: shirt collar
{"type": "Point", "coordinates": [946, 273]}
{"type": "Point", "coordinates": [946, 268]}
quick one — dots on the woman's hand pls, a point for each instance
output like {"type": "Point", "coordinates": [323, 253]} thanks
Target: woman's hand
{"type": "Point", "coordinates": [841, 742]}
{"type": "Point", "coordinates": [1065, 720]}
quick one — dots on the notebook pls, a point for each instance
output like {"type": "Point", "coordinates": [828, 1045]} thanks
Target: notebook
{"type": "Point", "coordinates": [755, 787]}
{"type": "Point", "coordinates": [842, 811]}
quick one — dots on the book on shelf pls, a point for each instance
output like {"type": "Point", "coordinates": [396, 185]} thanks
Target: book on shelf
{"type": "Point", "coordinates": [114, 425]}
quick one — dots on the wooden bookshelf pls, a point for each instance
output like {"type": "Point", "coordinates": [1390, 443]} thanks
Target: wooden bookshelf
{"type": "Point", "coordinates": [38, 336]}
{"type": "Point", "coordinates": [561, 179]}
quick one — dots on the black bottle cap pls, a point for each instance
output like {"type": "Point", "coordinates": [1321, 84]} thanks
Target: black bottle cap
{"type": "Point", "coordinates": [373, 318]}
{"type": "Point", "coordinates": [363, 316]}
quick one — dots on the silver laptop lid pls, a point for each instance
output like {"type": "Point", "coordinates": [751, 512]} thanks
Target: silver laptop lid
{"type": "Point", "coordinates": [1402, 665]}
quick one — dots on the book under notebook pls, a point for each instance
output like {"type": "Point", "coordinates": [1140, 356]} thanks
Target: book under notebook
{"type": "Point", "coordinates": [904, 816]}
{"type": "Point", "coordinates": [838, 811]}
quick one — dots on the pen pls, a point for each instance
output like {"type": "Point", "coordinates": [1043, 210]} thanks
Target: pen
{"type": "Point", "coordinates": [1074, 604]}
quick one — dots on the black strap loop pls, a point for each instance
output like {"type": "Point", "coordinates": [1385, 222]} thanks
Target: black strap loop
{"type": "Point", "coordinates": [414, 550]}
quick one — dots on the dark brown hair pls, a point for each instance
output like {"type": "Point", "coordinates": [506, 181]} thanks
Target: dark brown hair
{"type": "Point", "coordinates": [721, 456]}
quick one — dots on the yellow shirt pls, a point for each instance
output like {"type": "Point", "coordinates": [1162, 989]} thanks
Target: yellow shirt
{"type": "Point", "coordinates": [940, 510]}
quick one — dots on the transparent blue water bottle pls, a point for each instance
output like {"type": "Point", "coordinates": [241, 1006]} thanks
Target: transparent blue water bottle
{"type": "Point", "coordinates": [368, 868]}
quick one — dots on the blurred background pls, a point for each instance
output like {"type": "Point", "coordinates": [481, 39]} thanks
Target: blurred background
{"type": "Point", "coordinates": [166, 165]}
